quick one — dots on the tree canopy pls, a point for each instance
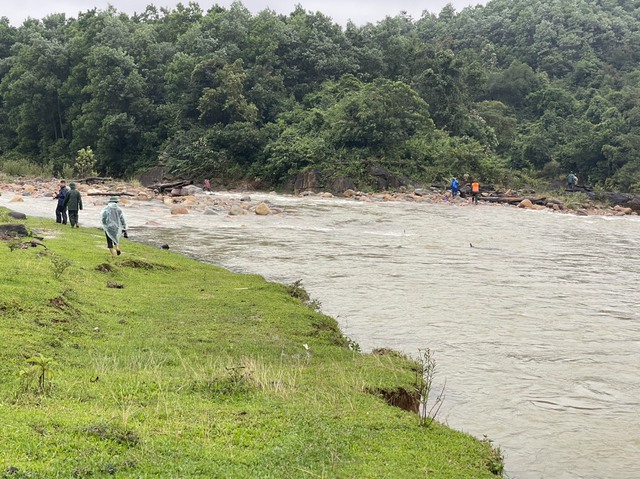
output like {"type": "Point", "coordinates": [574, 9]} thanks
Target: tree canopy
{"type": "Point", "coordinates": [513, 86]}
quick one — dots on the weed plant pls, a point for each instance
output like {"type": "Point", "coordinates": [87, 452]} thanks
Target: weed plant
{"type": "Point", "coordinates": [191, 371]}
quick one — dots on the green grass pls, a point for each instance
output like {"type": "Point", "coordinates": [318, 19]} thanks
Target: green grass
{"type": "Point", "coordinates": [170, 368]}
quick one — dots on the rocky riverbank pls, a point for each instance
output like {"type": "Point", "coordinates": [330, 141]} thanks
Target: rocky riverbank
{"type": "Point", "coordinates": [190, 199]}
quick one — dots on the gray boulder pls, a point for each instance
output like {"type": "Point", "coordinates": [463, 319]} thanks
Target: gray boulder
{"type": "Point", "coordinates": [13, 229]}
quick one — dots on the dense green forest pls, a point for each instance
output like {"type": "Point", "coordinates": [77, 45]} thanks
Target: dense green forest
{"type": "Point", "coordinates": [514, 89]}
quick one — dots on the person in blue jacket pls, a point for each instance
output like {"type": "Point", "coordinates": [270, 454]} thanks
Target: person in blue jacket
{"type": "Point", "coordinates": [61, 210]}
{"type": "Point", "coordinates": [455, 186]}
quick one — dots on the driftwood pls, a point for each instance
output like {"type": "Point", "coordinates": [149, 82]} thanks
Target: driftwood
{"type": "Point", "coordinates": [160, 187]}
{"type": "Point", "coordinates": [513, 200]}
{"type": "Point", "coordinates": [92, 180]}
{"type": "Point", "coordinates": [31, 244]}
{"type": "Point", "coordinates": [103, 193]}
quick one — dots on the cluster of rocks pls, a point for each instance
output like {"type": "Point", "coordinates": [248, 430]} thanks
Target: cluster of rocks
{"type": "Point", "coordinates": [180, 200]}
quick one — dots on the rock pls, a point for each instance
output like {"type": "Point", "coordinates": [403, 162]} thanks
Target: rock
{"type": "Point", "coordinates": [307, 181]}
{"type": "Point", "coordinates": [16, 199]}
{"type": "Point", "coordinates": [176, 192]}
{"type": "Point", "coordinates": [262, 209]}
{"type": "Point", "coordinates": [236, 210]}
{"type": "Point", "coordinates": [349, 193]}
{"type": "Point", "coordinates": [246, 199]}
{"type": "Point", "coordinates": [17, 215]}
{"type": "Point", "coordinates": [526, 203]}
{"type": "Point", "coordinates": [209, 211]}
{"type": "Point", "coordinates": [190, 190]}
{"type": "Point", "coordinates": [622, 210]}
{"type": "Point", "coordinates": [190, 200]}
{"type": "Point", "coordinates": [341, 184]}
{"type": "Point", "coordinates": [168, 201]}
{"type": "Point", "coordinates": [13, 229]}
{"type": "Point", "coordinates": [326, 194]}
{"type": "Point", "coordinates": [179, 210]}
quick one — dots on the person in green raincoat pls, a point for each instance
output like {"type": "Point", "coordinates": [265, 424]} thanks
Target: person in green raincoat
{"type": "Point", "coordinates": [73, 202]}
{"type": "Point", "coordinates": [114, 225]}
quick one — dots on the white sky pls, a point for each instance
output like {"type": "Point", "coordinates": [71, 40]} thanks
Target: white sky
{"type": "Point", "coordinates": [358, 11]}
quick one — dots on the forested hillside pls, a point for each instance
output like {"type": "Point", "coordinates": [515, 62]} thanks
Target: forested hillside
{"type": "Point", "coordinates": [516, 88]}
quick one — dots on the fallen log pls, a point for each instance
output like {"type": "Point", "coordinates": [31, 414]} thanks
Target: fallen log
{"type": "Point", "coordinates": [107, 193]}
{"type": "Point", "coordinates": [91, 180]}
{"type": "Point", "coordinates": [513, 200]}
{"type": "Point", "coordinates": [160, 187]}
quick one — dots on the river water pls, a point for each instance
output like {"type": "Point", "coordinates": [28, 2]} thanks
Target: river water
{"type": "Point", "coordinates": [533, 317]}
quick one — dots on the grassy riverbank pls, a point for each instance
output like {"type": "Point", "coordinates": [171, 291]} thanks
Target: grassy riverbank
{"type": "Point", "coordinates": [166, 367]}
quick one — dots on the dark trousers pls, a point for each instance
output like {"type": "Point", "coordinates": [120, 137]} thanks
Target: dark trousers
{"type": "Point", "coordinates": [61, 215]}
{"type": "Point", "coordinates": [73, 217]}
{"type": "Point", "coordinates": [474, 198]}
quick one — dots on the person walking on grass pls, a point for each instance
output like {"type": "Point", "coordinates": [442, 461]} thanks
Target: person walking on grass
{"type": "Point", "coordinates": [114, 225]}
{"type": "Point", "coordinates": [61, 212]}
{"type": "Point", "coordinates": [73, 202]}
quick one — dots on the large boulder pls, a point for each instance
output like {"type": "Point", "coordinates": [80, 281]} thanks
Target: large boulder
{"type": "Point", "coordinates": [621, 210]}
{"type": "Point", "coordinates": [309, 180]}
{"type": "Point", "coordinates": [236, 210]}
{"type": "Point", "coordinates": [625, 199]}
{"type": "Point", "coordinates": [13, 229]}
{"type": "Point", "coordinates": [17, 215]}
{"type": "Point", "coordinates": [387, 180]}
{"type": "Point", "coordinates": [341, 184]}
{"type": "Point", "coordinates": [262, 209]}
{"type": "Point", "coordinates": [179, 210]}
{"type": "Point", "coordinates": [190, 190]}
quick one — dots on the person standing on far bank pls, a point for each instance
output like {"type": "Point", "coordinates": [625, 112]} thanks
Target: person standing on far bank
{"type": "Point", "coordinates": [61, 212]}
{"type": "Point", "coordinates": [114, 225]}
{"type": "Point", "coordinates": [455, 186]}
{"type": "Point", "coordinates": [475, 191]}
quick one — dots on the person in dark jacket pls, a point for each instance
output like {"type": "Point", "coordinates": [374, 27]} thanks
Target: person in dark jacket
{"type": "Point", "coordinates": [61, 212]}
{"type": "Point", "coordinates": [73, 202]}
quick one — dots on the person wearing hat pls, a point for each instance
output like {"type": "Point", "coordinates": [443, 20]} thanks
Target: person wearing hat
{"type": "Point", "coordinates": [73, 202]}
{"type": "Point", "coordinates": [114, 225]}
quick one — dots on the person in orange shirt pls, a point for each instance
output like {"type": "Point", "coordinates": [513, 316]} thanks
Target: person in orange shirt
{"type": "Point", "coordinates": [475, 191]}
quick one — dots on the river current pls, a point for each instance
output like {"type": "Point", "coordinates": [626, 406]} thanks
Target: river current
{"type": "Point", "coordinates": [533, 317]}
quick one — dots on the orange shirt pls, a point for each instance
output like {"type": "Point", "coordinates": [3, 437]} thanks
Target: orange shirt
{"type": "Point", "coordinates": [475, 187]}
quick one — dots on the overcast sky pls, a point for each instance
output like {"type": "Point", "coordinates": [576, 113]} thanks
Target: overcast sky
{"type": "Point", "coordinates": [358, 11]}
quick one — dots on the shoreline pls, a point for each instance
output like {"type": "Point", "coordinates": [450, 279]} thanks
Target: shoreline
{"type": "Point", "coordinates": [190, 197]}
